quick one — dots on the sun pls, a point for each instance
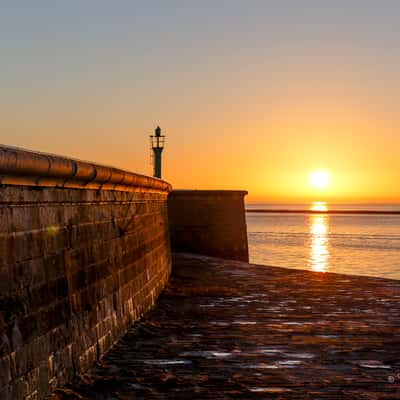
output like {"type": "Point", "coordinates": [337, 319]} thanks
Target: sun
{"type": "Point", "coordinates": [319, 179]}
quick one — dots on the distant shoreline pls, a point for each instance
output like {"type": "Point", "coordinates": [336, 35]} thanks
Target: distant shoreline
{"type": "Point", "coordinates": [288, 211]}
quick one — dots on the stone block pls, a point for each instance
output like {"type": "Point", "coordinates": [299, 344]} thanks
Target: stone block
{"type": "Point", "coordinates": [5, 371]}
{"type": "Point", "coordinates": [5, 219]}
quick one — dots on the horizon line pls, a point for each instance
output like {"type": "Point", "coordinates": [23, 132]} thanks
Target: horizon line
{"type": "Point", "coordinates": [305, 211]}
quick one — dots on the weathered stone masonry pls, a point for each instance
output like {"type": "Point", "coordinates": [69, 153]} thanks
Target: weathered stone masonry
{"type": "Point", "coordinates": [84, 251]}
{"type": "Point", "coordinates": [210, 222]}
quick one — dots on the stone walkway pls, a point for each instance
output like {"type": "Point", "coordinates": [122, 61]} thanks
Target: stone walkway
{"type": "Point", "coordinates": [229, 330]}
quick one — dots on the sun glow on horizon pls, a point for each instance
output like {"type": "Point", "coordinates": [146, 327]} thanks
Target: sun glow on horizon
{"type": "Point", "coordinates": [320, 206]}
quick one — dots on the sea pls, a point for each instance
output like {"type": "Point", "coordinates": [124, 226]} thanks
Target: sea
{"type": "Point", "coordinates": [344, 238]}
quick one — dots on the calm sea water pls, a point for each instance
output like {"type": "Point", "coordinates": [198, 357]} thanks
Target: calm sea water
{"type": "Point", "coordinates": [346, 243]}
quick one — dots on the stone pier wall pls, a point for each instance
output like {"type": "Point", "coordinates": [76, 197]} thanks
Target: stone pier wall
{"type": "Point", "coordinates": [210, 222]}
{"type": "Point", "coordinates": [84, 252]}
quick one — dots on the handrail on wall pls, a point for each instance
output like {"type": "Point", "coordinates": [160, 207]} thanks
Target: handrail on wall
{"type": "Point", "coordinates": [24, 167]}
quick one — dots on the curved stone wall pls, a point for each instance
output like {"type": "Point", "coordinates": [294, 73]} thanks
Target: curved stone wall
{"type": "Point", "coordinates": [84, 251]}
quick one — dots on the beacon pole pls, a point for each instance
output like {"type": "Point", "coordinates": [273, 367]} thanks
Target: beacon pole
{"type": "Point", "coordinates": [157, 144]}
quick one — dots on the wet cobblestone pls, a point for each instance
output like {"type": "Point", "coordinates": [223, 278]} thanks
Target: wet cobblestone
{"type": "Point", "coordinates": [229, 330]}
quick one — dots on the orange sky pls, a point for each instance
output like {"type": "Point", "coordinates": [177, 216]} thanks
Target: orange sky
{"type": "Point", "coordinates": [252, 98]}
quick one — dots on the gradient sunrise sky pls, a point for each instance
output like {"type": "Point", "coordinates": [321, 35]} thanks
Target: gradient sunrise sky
{"type": "Point", "coordinates": [251, 94]}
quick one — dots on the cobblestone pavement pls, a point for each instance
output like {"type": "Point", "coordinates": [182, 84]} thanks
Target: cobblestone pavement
{"type": "Point", "coordinates": [229, 330]}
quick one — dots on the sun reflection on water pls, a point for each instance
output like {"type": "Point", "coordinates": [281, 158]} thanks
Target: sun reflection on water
{"type": "Point", "coordinates": [319, 242]}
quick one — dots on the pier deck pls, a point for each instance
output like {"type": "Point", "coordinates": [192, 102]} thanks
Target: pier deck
{"type": "Point", "coordinates": [229, 330]}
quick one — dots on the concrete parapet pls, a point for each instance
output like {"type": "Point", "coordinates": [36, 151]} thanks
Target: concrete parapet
{"type": "Point", "coordinates": [210, 222]}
